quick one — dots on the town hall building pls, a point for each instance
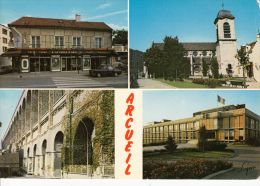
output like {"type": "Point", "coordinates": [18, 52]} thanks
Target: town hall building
{"type": "Point", "coordinates": [224, 49]}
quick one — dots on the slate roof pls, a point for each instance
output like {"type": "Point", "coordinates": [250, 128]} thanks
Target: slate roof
{"type": "Point", "coordinates": [224, 14]}
{"type": "Point", "coordinates": [60, 23]}
{"type": "Point", "coordinates": [192, 46]}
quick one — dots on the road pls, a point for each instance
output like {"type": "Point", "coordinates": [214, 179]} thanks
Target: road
{"type": "Point", "coordinates": [61, 80]}
{"type": "Point", "coordinates": [246, 164]}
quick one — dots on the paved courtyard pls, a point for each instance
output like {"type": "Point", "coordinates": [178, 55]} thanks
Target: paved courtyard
{"type": "Point", "coordinates": [144, 83]}
{"type": "Point", "coordinates": [61, 80]}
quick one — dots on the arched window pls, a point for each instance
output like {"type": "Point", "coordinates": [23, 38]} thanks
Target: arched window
{"type": "Point", "coordinates": [227, 30]}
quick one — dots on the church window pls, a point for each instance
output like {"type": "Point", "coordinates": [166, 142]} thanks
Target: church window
{"type": "Point", "coordinates": [227, 30]}
{"type": "Point", "coordinates": [195, 53]}
{"type": "Point", "coordinates": [204, 53]}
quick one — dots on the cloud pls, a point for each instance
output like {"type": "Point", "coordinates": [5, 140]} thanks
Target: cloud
{"type": "Point", "coordinates": [117, 27]}
{"type": "Point", "coordinates": [114, 13]}
{"type": "Point", "coordinates": [104, 6]}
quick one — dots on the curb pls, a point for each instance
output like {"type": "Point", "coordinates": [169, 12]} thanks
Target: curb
{"type": "Point", "coordinates": [217, 173]}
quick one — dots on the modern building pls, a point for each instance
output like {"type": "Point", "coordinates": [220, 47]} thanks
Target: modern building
{"type": "Point", "coordinates": [60, 131]}
{"type": "Point", "coordinates": [226, 124]}
{"type": "Point", "coordinates": [253, 67]}
{"type": "Point", "coordinates": [43, 44]}
{"type": "Point", "coordinates": [5, 38]}
{"type": "Point", "coordinates": [224, 49]}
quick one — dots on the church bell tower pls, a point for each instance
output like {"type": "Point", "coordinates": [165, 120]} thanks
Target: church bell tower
{"type": "Point", "coordinates": [226, 42]}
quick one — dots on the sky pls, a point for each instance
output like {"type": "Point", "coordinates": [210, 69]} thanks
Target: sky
{"type": "Point", "coordinates": [190, 20]}
{"type": "Point", "coordinates": [180, 104]}
{"type": "Point", "coordinates": [112, 12]}
{"type": "Point", "coordinates": [8, 102]}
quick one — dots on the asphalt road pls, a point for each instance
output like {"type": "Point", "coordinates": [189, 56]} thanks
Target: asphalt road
{"type": "Point", "coordinates": [246, 163]}
{"type": "Point", "coordinates": [61, 80]}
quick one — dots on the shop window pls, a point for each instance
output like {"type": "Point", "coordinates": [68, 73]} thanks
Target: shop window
{"type": "Point", "coordinates": [86, 63]}
{"type": "Point", "coordinates": [55, 64]}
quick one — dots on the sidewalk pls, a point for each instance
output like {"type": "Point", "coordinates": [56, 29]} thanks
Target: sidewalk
{"type": "Point", "coordinates": [152, 84]}
{"type": "Point", "coordinates": [253, 85]}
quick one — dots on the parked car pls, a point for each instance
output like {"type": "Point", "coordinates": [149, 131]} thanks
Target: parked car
{"type": "Point", "coordinates": [105, 70]}
{"type": "Point", "coordinates": [5, 69]}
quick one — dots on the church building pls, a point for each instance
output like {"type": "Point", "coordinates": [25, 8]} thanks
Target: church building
{"type": "Point", "coordinates": [224, 49]}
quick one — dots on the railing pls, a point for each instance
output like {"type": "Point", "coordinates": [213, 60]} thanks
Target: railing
{"type": "Point", "coordinates": [87, 169]}
{"type": "Point", "coordinates": [108, 170]}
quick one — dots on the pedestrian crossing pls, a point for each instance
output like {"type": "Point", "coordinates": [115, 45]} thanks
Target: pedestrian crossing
{"type": "Point", "coordinates": [77, 82]}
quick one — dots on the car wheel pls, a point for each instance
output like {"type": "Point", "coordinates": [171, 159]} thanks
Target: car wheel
{"type": "Point", "coordinates": [98, 75]}
{"type": "Point", "coordinates": [116, 74]}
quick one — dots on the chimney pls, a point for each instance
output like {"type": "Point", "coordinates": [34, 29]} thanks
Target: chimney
{"type": "Point", "coordinates": [78, 18]}
{"type": "Point", "coordinates": [258, 37]}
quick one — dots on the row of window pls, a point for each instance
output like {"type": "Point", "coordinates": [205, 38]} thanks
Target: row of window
{"type": "Point", "coordinates": [195, 53]}
{"type": "Point", "coordinates": [59, 41]}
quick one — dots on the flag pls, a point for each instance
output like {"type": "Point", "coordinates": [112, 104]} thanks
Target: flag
{"type": "Point", "coordinates": [221, 100]}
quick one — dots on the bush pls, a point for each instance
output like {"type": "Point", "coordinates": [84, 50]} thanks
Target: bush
{"type": "Point", "coordinates": [215, 146]}
{"type": "Point", "coordinates": [213, 83]}
{"type": "Point", "coordinates": [187, 169]}
{"type": "Point", "coordinates": [221, 76]}
{"type": "Point", "coordinates": [170, 145]}
{"type": "Point", "coordinates": [199, 81]}
{"type": "Point", "coordinates": [253, 141]}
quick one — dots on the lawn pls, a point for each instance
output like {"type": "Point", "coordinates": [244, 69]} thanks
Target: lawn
{"type": "Point", "coordinates": [182, 155]}
{"type": "Point", "coordinates": [186, 84]}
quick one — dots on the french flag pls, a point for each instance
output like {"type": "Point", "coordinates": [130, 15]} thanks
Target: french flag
{"type": "Point", "coordinates": [221, 100]}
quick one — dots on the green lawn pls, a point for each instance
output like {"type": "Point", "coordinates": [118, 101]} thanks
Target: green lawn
{"type": "Point", "coordinates": [182, 155]}
{"type": "Point", "coordinates": [186, 84]}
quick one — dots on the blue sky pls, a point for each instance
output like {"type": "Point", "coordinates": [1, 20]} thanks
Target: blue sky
{"type": "Point", "coordinates": [112, 12]}
{"type": "Point", "coordinates": [173, 105]}
{"type": "Point", "coordinates": [8, 102]}
{"type": "Point", "coordinates": [190, 20]}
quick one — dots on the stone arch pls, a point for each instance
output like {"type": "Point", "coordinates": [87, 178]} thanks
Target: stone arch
{"type": "Point", "coordinates": [82, 144]}
{"type": "Point", "coordinates": [44, 148]}
{"type": "Point", "coordinates": [58, 142]}
{"type": "Point", "coordinates": [34, 156]}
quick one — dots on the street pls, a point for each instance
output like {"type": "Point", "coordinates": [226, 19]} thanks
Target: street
{"type": "Point", "coordinates": [61, 80]}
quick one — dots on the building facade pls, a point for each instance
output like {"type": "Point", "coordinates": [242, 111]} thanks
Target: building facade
{"type": "Point", "coordinates": [43, 44]}
{"type": "Point", "coordinates": [57, 132]}
{"type": "Point", "coordinates": [5, 37]}
{"type": "Point", "coordinates": [226, 124]}
{"type": "Point", "coordinates": [224, 49]}
{"type": "Point", "coordinates": [252, 69]}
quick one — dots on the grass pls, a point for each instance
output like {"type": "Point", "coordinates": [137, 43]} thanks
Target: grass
{"type": "Point", "coordinates": [186, 84]}
{"type": "Point", "coordinates": [182, 155]}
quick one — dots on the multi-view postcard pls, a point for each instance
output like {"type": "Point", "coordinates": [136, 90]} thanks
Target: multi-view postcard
{"type": "Point", "coordinates": [181, 107]}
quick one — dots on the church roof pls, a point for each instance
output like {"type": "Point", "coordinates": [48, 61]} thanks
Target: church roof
{"type": "Point", "coordinates": [60, 23]}
{"type": "Point", "coordinates": [192, 46]}
{"type": "Point", "coordinates": [224, 14]}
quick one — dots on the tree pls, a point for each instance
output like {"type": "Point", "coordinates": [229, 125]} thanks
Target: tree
{"type": "Point", "coordinates": [173, 54]}
{"type": "Point", "coordinates": [205, 67]}
{"type": "Point", "coordinates": [120, 37]}
{"type": "Point", "coordinates": [170, 144]}
{"type": "Point", "coordinates": [202, 138]}
{"type": "Point", "coordinates": [229, 70]}
{"type": "Point", "coordinates": [243, 59]}
{"type": "Point", "coordinates": [214, 67]}
{"type": "Point", "coordinates": [153, 60]}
